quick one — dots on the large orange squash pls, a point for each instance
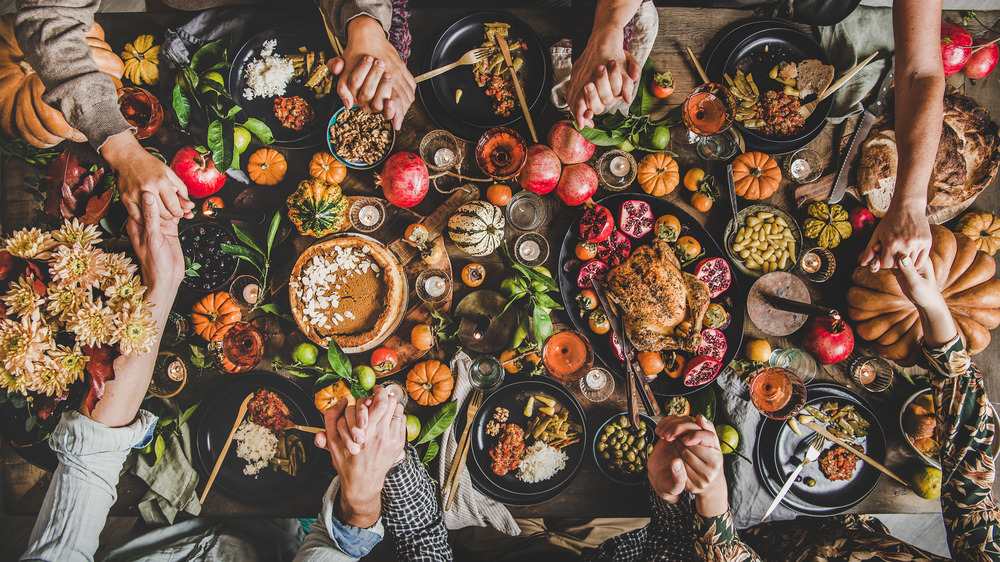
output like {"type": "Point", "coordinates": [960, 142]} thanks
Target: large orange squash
{"type": "Point", "coordinates": [430, 383]}
{"type": "Point", "coordinates": [756, 175]}
{"type": "Point", "coordinates": [983, 228]}
{"type": "Point", "coordinates": [23, 114]}
{"type": "Point", "coordinates": [267, 166]}
{"type": "Point", "coordinates": [966, 278]}
{"type": "Point", "coordinates": [658, 174]}
{"type": "Point", "coordinates": [327, 168]}
{"type": "Point", "coordinates": [213, 314]}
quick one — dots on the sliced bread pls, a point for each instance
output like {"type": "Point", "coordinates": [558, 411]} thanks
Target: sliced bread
{"type": "Point", "coordinates": [813, 77]}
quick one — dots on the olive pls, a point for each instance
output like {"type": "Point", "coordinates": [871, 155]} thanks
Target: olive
{"type": "Point", "coordinates": [649, 449]}
{"type": "Point", "coordinates": [617, 463]}
{"type": "Point", "coordinates": [605, 455]}
{"type": "Point", "coordinates": [610, 428]}
{"type": "Point", "coordinates": [623, 421]}
{"type": "Point", "coordinates": [604, 438]}
{"type": "Point", "coordinates": [640, 464]}
{"type": "Point", "coordinates": [621, 435]}
{"type": "Point", "coordinates": [641, 444]}
{"type": "Point", "coordinates": [630, 456]}
{"type": "Point", "coordinates": [618, 453]}
{"type": "Point", "coordinates": [642, 425]}
{"type": "Point", "coordinates": [630, 440]}
{"type": "Point", "coordinates": [810, 482]}
{"type": "Point", "coordinates": [601, 446]}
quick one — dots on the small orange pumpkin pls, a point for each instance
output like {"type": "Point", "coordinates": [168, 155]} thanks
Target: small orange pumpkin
{"type": "Point", "coordinates": [756, 175]}
{"type": "Point", "coordinates": [658, 174]}
{"type": "Point", "coordinates": [430, 383]}
{"type": "Point", "coordinates": [332, 394]}
{"type": "Point", "coordinates": [327, 168]}
{"type": "Point", "coordinates": [267, 167]}
{"type": "Point", "coordinates": [213, 313]}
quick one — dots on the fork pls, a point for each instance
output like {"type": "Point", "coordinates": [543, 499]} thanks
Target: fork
{"type": "Point", "coordinates": [471, 57]}
{"type": "Point", "coordinates": [462, 453]}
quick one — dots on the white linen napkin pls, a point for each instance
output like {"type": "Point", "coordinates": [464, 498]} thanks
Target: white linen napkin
{"type": "Point", "coordinates": [470, 508]}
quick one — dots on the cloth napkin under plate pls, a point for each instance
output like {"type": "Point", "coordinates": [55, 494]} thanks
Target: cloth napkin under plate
{"type": "Point", "coordinates": [470, 508]}
{"type": "Point", "coordinates": [172, 482]}
{"type": "Point", "coordinates": [862, 33]}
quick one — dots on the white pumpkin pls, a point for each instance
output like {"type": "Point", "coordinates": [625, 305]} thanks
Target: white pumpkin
{"type": "Point", "coordinates": [477, 228]}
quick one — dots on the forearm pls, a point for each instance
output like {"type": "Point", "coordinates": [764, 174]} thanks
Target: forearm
{"type": "Point", "coordinates": [333, 539]}
{"type": "Point", "coordinates": [51, 35]}
{"type": "Point", "coordinates": [412, 512]}
{"type": "Point", "coordinates": [340, 13]}
{"type": "Point", "coordinates": [611, 17]}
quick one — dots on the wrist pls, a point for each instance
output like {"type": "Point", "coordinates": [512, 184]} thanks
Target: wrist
{"type": "Point", "coordinates": [364, 28]}
{"type": "Point", "coordinates": [359, 508]}
{"type": "Point", "coordinates": [606, 34]}
{"type": "Point", "coordinates": [118, 148]}
{"type": "Point", "coordinates": [712, 502]}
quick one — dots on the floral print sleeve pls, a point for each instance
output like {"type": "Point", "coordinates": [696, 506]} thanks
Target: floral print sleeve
{"type": "Point", "coordinates": [965, 431]}
{"type": "Point", "coordinates": [718, 541]}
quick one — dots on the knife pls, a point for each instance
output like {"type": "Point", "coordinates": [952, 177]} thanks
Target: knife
{"type": "Point", "coordinates": [633, 406]}
{"type": "Point", "coordinates": [815, 447]}
{"type": "Point", "coordinates": [809, 309]}
{"type": "Point", "coordinates": [732, 195]}
{"type": "Point", "coordinates": [868, 118]}
{"type": "Point", "coordinates": [505, 50]}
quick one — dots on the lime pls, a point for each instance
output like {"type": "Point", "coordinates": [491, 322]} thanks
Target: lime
{"type": "Point", "coordinates": [203, 82]}
{"type": "Point", "coordinates": [537, 286]}
{"type": "Point", "coordinates": [926, 482]}
{"type": "Point", "coordinates": [660, 137]}
{"type": "Point", "coordinates": [729, 439]}
{"type": "Point", "coordinates": [365, 376]}
{"type": "Point", "coordinates": [305, 354]}
{"type": "Point", "coordinates": [626, 145]}
{"type": "Point", "coordinates": [412, 427]}
{"type": "Point", "coordinates": [512, 286]}
{"type": "Point", "coordinates": [758, 350]}
{"type": "Point", "coordinates": [241, 138]}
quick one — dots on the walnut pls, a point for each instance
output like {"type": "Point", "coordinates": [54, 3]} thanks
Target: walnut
{"type": "Point", "coordinates": [492, 428]}
{"type": "Point", "coordinates": [361, 137]}
{"type": "Point", "coordinates": [501, 414]}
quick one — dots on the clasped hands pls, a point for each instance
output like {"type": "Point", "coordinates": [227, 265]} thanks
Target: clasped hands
{"type": "Point", "coordinates": [688, 457]}
{"type": "Point", "coordinates": [604, 73]}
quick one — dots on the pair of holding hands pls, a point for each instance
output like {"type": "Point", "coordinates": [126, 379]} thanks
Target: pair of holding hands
{"type": "Point", "coordinates": [688, 457]}
{"type": "Point", "coordinates": [605, 72]}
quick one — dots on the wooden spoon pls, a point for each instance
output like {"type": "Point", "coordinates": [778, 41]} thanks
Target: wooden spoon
{"type": "Point", "coordinates": [225, 447]}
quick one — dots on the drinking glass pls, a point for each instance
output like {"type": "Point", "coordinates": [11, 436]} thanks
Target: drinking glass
{"type": "Point", "coordinates": [240, 349]}
{"type": "Point", "coordinates": [531, 249]}
{"type": "Point", "coordinates": [722, 146]}
{"type": "Point", "coordinates": [795, 360]}
{"type": "Point", "coordinates": [776, 393]}
{"type": "Point", "coordinates": [501, 153]}
{"type": "Point", "coordinates": [706, 111]}
{"type": "Point", "coordinates": [567, 355]}
{"type": "Point", "coordinates": [598, 385]}
{"type": "Point", "coordinates": [486, 373]}
{"type": "Point", "coordinates": [141, 109]}
{"type": "Point", "coordinates": [176, 331]}
{"type": "Point", "coordinates": [526, 211]}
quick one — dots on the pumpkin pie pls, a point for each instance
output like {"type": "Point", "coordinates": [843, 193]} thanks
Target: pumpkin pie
{"type": "Point", "coordinates": [350, 289]}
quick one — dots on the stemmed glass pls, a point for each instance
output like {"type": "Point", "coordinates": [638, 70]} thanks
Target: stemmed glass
{"type": "Point", "coordinates": [776, 393]}
{"type": "Point", "coordinates": [706, 112]}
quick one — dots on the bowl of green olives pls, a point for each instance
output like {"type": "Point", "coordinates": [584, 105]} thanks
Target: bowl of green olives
{"type": "Point", "coordinates": [622, 448]}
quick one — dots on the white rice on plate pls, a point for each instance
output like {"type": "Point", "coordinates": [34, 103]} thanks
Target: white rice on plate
{"type": "Point", "coordinates": [256, 445]}
{"type": "Point", "coordinates": [541, 462]}
{"type": "Point", "coordinates": [269, 75]}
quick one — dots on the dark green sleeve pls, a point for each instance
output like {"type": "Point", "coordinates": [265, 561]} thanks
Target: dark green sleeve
{"type": "Point", "coordinates": [716, 540]}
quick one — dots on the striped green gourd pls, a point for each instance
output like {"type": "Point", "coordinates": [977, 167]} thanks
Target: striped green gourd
{"type": "Point", "coordinates": [477, 228]}
{"type": "Point", "coordinates": [318, 208]}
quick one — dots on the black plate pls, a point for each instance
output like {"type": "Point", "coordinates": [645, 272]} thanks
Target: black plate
{"type": "Point", "coordinates": [732, 299]}
{"type": "Point", "coordinates": [513, 396]}
{"type": "Point", "coordinates": [289, 38]}
{"type": "Point", "coordinates": [214, 420]}
{"type": "Point", "coordinates": [777, 443]}
{"type": "Point", "coordinates": [474, 114]}
{"type": "Point", "coordinates": [755, 48]}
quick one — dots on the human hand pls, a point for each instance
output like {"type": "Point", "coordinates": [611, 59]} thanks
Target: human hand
{"type": "Point", "coordinates": [920, 286]}
{"type": "Point", "coordinates": [372, 76]}
{"type": "Point", "coordinates": [140, 172]}
{"type": "Point", "coordinates": [901, 232]}
{"type": "Point", "coordinates": [157, 248]}
{"type": "Point", "coordinates": [697, 445]}
{"type": "Point", "coordinates": [603, 73]}
{"type": "Point", "coordinates": [665, 470]}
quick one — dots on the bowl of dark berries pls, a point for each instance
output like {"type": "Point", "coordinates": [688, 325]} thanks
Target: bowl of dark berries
{"type": "Point", "coordinates": [202, 245]}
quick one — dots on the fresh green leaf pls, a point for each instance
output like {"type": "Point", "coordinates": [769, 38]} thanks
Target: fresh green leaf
{"type": "Point", "coordinates": [159, 446]}
{"type": "Point", "coordinates": [600, 137]}
{"type": "Point", "coordinates": [439, 422]}
{"type": "Point", "coordinates": [214, 140]}
{"type": "Point", "coordinates": [325, 381]}
{"type": "Point", "coordinates": [299, 373]}
{"type": "Point", "coordinates": [338, 360]}
{"type": "Point", "coordinates": [358, 391]}
{"type": "Point", "coordinates": [431, 452]}
{"type": "Point", "coordinates": [244, 253]}
{"type": "Point", "coordinates": [272, 232]}
{"type": "Point", "coordinates": [259, 130]}
{"type": "Point", "coordinates": [182, 106]}
{"type": "Point", "coordinates": [548, 282]}
{"type": "Point", "coordinates": [187, 414]}
{"type": "Point", "coordinates": [210, 55]}
{"type": "Point", "coordinates": [542, 323]}
{"type": "Point", "coordinates": [225, 159]}
{"type": "Point", "coordinates": [546, 301]}
{"type": "Point", "coordinates": [247, 239]}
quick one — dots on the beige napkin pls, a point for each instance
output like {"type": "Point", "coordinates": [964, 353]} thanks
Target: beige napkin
{"type": "Point", "coordinates": [645, 25]}
{"type": "Point", "coordinates": [470, 508]}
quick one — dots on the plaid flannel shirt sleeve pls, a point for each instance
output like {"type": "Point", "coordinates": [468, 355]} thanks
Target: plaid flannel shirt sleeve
{"type": "Point", "coordinates": [412, 512]}
{"type": "Point", "coordinates": [669, 536]}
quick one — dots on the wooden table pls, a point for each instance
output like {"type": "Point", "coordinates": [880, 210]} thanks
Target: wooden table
{"type": "Point", "coordinates": [591, 494]}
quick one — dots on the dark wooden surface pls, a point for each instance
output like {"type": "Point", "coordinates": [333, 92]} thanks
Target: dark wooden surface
{"type": "Point", "coordinates": [591, 495]}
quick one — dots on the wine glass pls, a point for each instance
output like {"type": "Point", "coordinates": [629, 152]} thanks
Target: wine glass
{"type": "Point", "coordinates": [776, 393]}
{"type": "Point", "coordinates": [501, 153]}
{"type": "Point", "coordinates": [141, 109]}
{"type": "Point", "coordinates": [706, 112]}
{"type": "Point", "coordinates": [240, 349]}
{"type": "Point", "coordinates": [567, 355]}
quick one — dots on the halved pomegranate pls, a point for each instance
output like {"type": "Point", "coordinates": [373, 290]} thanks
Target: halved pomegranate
{"type": "Point", "coordinates": [713, 344]}
{"type": "Point", "coordinates": [615, 249]}
{"type": "Point", "coordinates": [596, 224]}
{"type": "Point", "coordinates": [715, 273]}
{"type": "Point", "coordinates": [701, 370]}
{"type": "Point", "coordinates": [593, 269]}
{"type": "Point", "coordinates": [636, 218]}
{"type": "Point", "coordinates": [617, 346]}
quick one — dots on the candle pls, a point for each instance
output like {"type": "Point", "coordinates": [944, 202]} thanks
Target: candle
{"type": "Point", "coordinates": [443, 157]}
{"type": "Point", "coordinates": [800, 168]}
{"type": "Point", "coordinates": [619, 166]}
{"type": "Point", "coordinates": [811, 262]}
{"type": "Point", "coordinates": [175, 371]}
{"type": "Point", "coordinates": [596, 379]}
{"type": "Point", "coordinates": [529, 250]}
{"type": "Point", "coordinates": [865, 373]}
{"type": "Point", "coordinates": [251, 293]}
{"type": "Point", "coordinates": [369, 215]}
{"type": "Point", "coordinates": [435, 286]}
{"type": "Point", "coordinates": [395, 391]}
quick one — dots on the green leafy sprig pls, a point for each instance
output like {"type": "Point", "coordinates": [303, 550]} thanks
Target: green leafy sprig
{"type": "Point", "coordinates": [258, 254]}
{"type": "Point", "coordinates": [438, 423]}
{"type": "Point", "coordinates": [171, 419]}
{"type": "Point", "coordinates": [531, 294]}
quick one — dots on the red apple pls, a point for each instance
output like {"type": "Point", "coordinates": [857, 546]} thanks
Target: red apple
{"type": "Point", "coordinates": [197, 171]}
{"type": "Point", "coordinates": [955, 47]}
{"type": "Point", "coordinates": [983, 61]}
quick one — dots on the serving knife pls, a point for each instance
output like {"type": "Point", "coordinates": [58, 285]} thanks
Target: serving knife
{"type": "Point", "coordinates": [631, 391]}
{"type": "Point", "coordinates": [871, 113]}
{"type": "Point", "coordinates": [505, 50]}
{"type": "Point", "coordinates": [815, 448]}
{"type": "Point", "coordinates": [730, 182]}
{"type": "Point", "coordinates": [809, 309]}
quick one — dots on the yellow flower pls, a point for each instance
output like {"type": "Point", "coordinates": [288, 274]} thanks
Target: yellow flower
{"type": "Point", "coordinates": [135, 330]}
{"type": "Point", "coordinates": [69, 362]}
{"type": "Point", "coordinates": [64, 300]}
{"type": "Point", "coordinates": [74, 231]}
{"type": "Point", "coordinates": [78, 264]}
{"type": "Point", "coordinates": [92, 323]}
{"type": "Point", "coordinates": [125, 290]}
{"type": "Point", "coordinates": [22, 343]}
{"type": "Point", "coordinates": [51, 379]}
{"type": "Point", "coordinates": [119, 265]}
{"type": "Point", "coordinates": [21, 298]}
{"type": "Point", "coordinates": [30, 243]}
{"type": "Point", "coordinates": [12, 382]}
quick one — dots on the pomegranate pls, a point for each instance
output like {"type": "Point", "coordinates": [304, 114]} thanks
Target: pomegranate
{"type": "Point", "coordinates": [617, 346]}
{"type": "Point", "coordinates": [541, 169]}
{"type": "Point", "coordinates": [591, 270]}
{"type": "Point", "coordinates": [636, 218]}
{"type": "Point", "coordinates": [982, 62]}
{"type": "Point", "coordinates": [404, 179]}
{"type": "Point", "coordinates": [569, 145]}
{"type": "Point", "coordinates": [577, 184]}
{"type": "Point", "coordinates": [713, 344]}
{"type": "Point", "coordinates": [701, 370]}
{"type": "Point", "coordinates": [596, 224]}
{"type": "Point", "coordinates": [197, 171]}
{"type": "Point", "coordinates": [715, 273]}
{"type": "Point", "coordinates": [955, 47]}
{"type": "Point", "coordinates": [861, 219]}
{"type": "Point", "coordinates": [829, 341]}
{"type": "Point", "coordinates": [615, 249]}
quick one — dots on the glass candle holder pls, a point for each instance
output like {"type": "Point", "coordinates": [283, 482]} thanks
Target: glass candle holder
{"type": "Point", "coordinates": [873, 374]}
{"type": "Point", "coordinates": [397, 391]}
{"type": "Point", "coordinates": [486, 373]}
{"type": "Point", "coordinates": [501, 153]}
{"type": "Point", "coordinates": [803, 166]}
{"type": "Point", "coordinates": [597, 385]}
{"type": "Point", "coordinates": [240, 349]}
{"type": "Point", "coordinates": [531, 249]}
{"type": "Point", "coordinates": [246, 291]}
{"type": "Point", "coordinates": [141, 109]}
{"type": "Point", "coordinates": [526, 211]}
{"type": "Point", "coordinates": [433, 285]}
{"type": "Point", "coordinates": [441, 150]}
{"type": "Point", "coordinates": [367, 214]}
{"type": "Point", "coordinates": [169, 375]}
{"type": "Point", "coordinates": [616, 170]}
{"type": "Point", "coordinates": [818, 264]}
{"type": "Point", "coordinates": [567, 355]}
{"type": "Point", "coordinates": [176, 331]}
